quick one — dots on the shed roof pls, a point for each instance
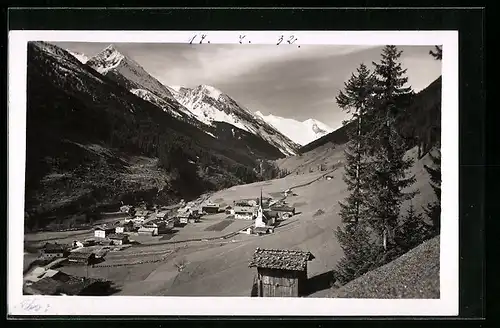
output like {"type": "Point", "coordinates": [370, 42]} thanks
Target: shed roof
{"type": "Point", "coordinates": [55, 248]}
{"type": "Point", "coordinates": [119, 236]}
{"type": "Point", "coordinates": [184, 214]}
{"type": "Point", "coordinates": [45, 286]}
{"type": "Point", "coordinates": [147, 229]}
{"type": "Point", "coordinates": [283, 208]}
{"type": "Point", "coordinates": [280, 259]}
{"type": "Point", "coordinates": [141, 213]}
{"type": "Point", "coordinates": [80, 256]}
{"type": "Point", "coordinates": [244, 209]}
{"type": "Point", "coordinates": [75, 285]}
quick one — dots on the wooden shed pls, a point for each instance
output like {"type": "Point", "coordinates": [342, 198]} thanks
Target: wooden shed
{"type": "Point", "coordinates": [280, 273]}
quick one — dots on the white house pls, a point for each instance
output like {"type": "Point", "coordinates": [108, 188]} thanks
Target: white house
{"type": "Point", "coordinates": [119, 229]}
{"type": "Point", "coordinates": [148, 231]}
{"type": "Point", "coordinates": [244, 212]}
{"type": "Point", "coordinates": [100, 233]}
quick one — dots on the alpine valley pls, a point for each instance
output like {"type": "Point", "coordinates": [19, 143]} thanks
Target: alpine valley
{"type": "Point", "coordinates": [101, 130]}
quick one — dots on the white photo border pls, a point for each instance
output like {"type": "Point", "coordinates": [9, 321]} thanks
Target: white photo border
{"type": "Point", "coordinates": [24, 305]}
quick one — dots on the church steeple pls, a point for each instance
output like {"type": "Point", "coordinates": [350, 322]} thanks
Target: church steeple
{"type": "Point", "coordinates": [260, 197]}
{"type": "Point", "coordinates": [259, 220]}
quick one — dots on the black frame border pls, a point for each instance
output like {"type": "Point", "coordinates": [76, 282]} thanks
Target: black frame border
{"type": "Point", "coordinates": [470, 24]}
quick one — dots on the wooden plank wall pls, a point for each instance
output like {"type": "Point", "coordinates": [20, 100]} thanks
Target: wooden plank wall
{"type": "Point", "coordinates": [278, 283]}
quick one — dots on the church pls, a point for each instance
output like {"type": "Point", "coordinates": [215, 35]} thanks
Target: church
{"type": "Point", "coordinates": [263, 224]}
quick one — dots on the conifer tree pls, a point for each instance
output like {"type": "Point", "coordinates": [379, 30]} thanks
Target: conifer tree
{"type": "Point", "coordinates": [433, 210]}
{"type": "Point", "coordinates": [387, 147]}
{"type": "Point", "coordinates": [413, 231]}
{"type": "Point", "coordinates": [438, 53]}
{"type": "Point", "coordinates": [356, 100]}
{"type": "Point", "coordinates": [360, 255]}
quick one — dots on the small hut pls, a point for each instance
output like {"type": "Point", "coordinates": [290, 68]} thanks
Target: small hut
{"type": "Point", "coordinates": [280, 273]}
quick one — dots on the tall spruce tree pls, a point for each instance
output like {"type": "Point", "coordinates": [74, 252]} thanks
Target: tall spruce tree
{"type": "Point", "coordinates": [433, 210]}
{"type": "Point", "coordinates": [354, 236]}
{"type": "Point", "coordinates": [356, 100]}
{"type": "Point", "coordinates": [387, 147]}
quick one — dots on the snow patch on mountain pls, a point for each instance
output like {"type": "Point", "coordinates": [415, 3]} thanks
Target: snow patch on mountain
{"type": "Point", "coordinates": [299, 132]}
{"type": "Point", "coordinates": [154, 99]}
{"type": "Point", "coordinates": [211, 105]}
{"type": "Point", "coordinates": [111, 61]}
{"type": "Point", "coordinates": [81, 57]}
{"type": "Point", "coordinates": [211, 91]}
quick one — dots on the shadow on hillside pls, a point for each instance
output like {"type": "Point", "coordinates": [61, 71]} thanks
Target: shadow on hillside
{"type": "Point", "coordinates": [319, 282]}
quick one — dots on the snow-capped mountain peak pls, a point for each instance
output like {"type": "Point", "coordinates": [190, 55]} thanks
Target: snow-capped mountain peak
{"type": "Point", "coordinates": [211, 91]}
{"type": "Point", "coordinates": [299, 132]}
{"type": "Point", "coordinates": [81, 57]}
{"type": "Point", "coordinates": [107, 59]}
{"type": "Point", "coordinates": [210, 105]}
{"type": "Point", "coordinates": [318, 127]}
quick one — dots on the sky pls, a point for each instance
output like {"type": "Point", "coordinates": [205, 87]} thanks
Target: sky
{"type": "Point", "coordinates": [285, 80]}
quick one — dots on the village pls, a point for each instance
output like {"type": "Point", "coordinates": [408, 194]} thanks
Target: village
{"type": "Point", "coordinates": [147, 234]}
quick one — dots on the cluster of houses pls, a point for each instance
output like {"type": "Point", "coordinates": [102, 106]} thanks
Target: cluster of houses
{"type": "Point", "coordinates": [265, 212]}
{"type": "Point", "coordinates": [47, 281]}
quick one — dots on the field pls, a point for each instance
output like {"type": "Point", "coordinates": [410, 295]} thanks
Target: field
{"type": "Point", "coordinates": [209, 258]}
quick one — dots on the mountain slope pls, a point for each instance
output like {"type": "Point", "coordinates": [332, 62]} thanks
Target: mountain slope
{"type": "Point", "coordinates": [128, 73]}
{"type": "Point", "coordinates": [81, 57]}
{"type": "Point", "coordinates": [301, 133]}
{"type": "Point", "coordinates": [211, 105]}
{"type": "Point", "coordinates": [91, 142]}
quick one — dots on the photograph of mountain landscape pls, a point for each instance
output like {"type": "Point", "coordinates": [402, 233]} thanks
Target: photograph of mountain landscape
{"type": "Point", "coordinates": [166, 169]}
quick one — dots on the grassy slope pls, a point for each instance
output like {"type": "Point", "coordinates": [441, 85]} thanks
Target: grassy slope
{"type": "Point", "coordinates": [412, 275]}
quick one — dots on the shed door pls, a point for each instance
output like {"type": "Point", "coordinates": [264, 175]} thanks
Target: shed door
{"type": "Point", "coordinates": [279, 286]}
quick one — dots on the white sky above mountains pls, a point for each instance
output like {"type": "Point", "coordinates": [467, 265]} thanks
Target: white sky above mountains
{"type": "Point", "coordinates": [287, 81]}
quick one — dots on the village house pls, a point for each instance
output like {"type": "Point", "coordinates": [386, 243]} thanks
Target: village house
{"type": "Point", "coordinates": [82, 258]}
{"type": "Point", "coordinates": [127, 209]}
{"type": "Point", "coordinates": [164, 226]}
{"type": "Point", "coordinates": [280, 273]}
{"type": "Point", "coordinates": [54, 251]}
{"type": "Point", "coordinates": [210, 208]}
{"type": "Point", "coordinates": [141, 215]}
{"type": "Point", "coordinates": [244, 212]}
{"type": "Point", "coordinates": [89, 242]}
{"type": "Point", "coordinates": [102, 232]}
{"type": "Point", "coordinates": [229, 210]}
{"type": "Point", "coordinates": [118, 238]}
{"type": "Point", "coordinates": [246, 202]}
{"type": "Point", "coordinates": [283, 210]}
{"type": "Point", "coordinates": [39, 273]}
{"type": "Point", "coordinates": [184, 217]}
{"type": "Point", "coordinates": [161, 215]}
{"type": "Point", "coordinates": [151, 231]}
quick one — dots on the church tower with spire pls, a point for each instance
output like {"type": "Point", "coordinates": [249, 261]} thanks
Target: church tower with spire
{"type": "Point", "coordinates": [259, 221]}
